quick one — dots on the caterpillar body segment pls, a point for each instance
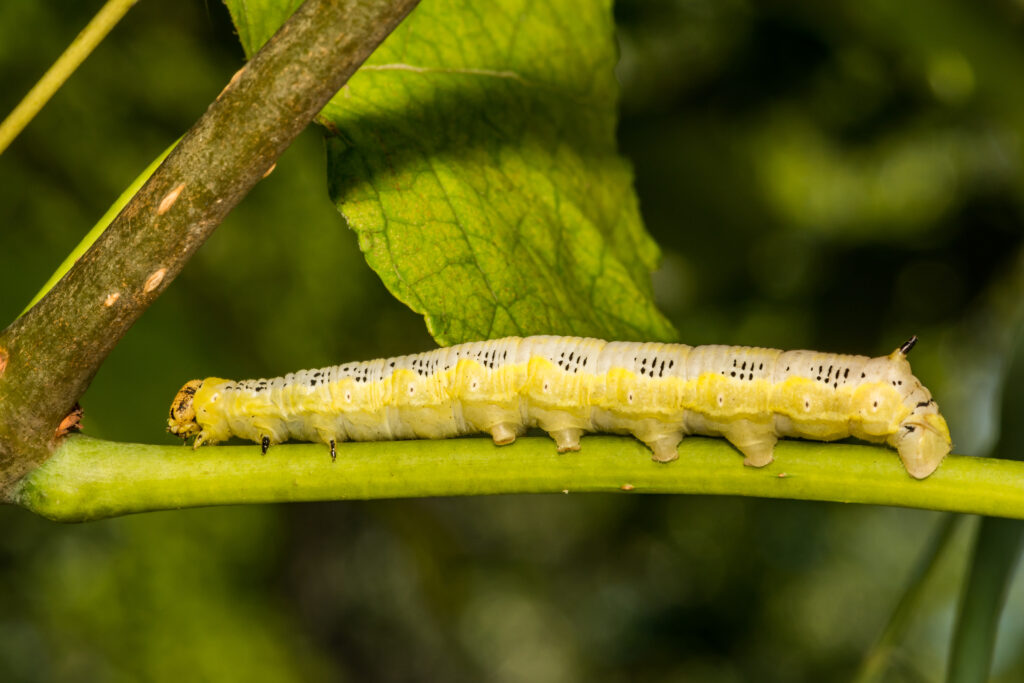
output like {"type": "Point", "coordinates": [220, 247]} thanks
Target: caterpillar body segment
{"type": "Point", "coordinates": [569, 386]}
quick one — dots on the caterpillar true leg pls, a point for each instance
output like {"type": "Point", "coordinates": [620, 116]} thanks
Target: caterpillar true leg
{"type": "Point", "coordinates": [334, 453]}
{"type": "Point", "coordinates": [265, 444]}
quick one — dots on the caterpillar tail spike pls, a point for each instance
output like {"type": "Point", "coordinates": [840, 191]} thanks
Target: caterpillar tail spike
{"type": "Point", "coordinates": [569, 386]}
{"type": "Point", "coordinates": [908, 345]}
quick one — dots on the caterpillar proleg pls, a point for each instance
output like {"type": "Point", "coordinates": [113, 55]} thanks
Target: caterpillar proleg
{"type": "Point", "coordinates": [568, 386]}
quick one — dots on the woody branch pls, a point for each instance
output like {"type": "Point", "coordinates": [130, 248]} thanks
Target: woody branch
{"type": "Point", "coordinates": [49, 356]}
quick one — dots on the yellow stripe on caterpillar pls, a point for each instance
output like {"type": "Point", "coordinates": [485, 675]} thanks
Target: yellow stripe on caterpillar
{"type": "Point", "coordinates": [569, 386]}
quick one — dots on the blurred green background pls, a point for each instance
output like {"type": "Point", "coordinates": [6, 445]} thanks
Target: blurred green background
{"type": "Point", "coordinates": [820, 175]}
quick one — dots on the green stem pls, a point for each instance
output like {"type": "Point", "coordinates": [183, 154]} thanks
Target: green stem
{"type": "Point", "coordinates": [99, 227]}
{"type": "Point", "coordinates": [80, 48]}
{"type": "Point", "coordinates": [879, 659]}
{"type": "Point", "coordinates": [90, 479]}
{"type": "Point", "coordinates": [994, 560]}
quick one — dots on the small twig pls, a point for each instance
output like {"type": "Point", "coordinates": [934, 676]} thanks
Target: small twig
{"type": "Point", "coordinates": [96, 230]}
{"type": "Point", "coordinates": [80, 48]}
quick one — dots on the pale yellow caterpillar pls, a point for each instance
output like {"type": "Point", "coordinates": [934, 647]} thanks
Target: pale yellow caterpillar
{"type": "Point", "coordinates": [569, 385]}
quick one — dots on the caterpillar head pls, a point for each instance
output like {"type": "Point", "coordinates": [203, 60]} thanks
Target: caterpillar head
{"type": "Point", "coordinates": [183, 415]}
{"type": "Point", "coordinates": [922, 441]}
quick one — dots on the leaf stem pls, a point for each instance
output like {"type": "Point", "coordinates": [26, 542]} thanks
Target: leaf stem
{"type": "Point", "coordinates": [80, 48]}
{"type": "Point", "coordinates": [90, 479]}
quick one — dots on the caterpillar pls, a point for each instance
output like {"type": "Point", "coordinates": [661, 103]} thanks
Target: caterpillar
{"type": "Point", "coordinates": [567, 386]}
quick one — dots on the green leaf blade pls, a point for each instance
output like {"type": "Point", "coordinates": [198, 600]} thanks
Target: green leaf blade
{"type": "Point", "coordinates": [257, 20]}
{"type": "Point", "coordinates": [474, 156]}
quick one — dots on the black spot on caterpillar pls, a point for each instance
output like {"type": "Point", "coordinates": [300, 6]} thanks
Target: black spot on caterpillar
{"type": "Point", "coordinates": [569, 385]}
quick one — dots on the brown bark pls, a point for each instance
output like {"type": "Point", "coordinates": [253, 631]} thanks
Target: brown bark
{"type": "Point", "coordinates": [49, 355]}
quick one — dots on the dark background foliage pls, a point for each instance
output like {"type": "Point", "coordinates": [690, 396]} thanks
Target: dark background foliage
{"type": "Point", "coordinates": [834, 176]}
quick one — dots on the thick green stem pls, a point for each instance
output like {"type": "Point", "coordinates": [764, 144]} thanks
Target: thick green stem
{"type": "Point", "coordinates": [90, 479]}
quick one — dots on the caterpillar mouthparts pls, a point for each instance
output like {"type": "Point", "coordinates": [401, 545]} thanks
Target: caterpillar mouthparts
{"type": "Point", "coordinates": [569, 386]}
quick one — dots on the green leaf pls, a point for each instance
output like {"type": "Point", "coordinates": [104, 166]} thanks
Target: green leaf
{"type": "Point", "coordinates": [474, 155]}
{"type": "Point", "coordinates": [257, 20]}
